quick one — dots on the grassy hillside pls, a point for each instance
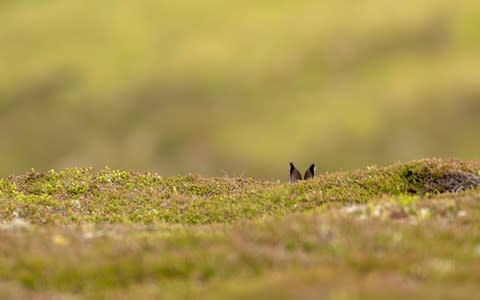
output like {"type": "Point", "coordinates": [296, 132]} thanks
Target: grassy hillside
{"type": "Point", "coordinates": [394, 232]}
{"type": "Point", "coordinates": [210, 86]}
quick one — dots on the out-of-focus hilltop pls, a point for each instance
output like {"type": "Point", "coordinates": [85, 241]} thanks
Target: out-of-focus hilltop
{"type": "Point", "coordinates": [205, 87]}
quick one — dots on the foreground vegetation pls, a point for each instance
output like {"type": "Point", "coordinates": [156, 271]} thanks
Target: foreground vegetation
{"type": "Point", "coordinates": [408, 229]}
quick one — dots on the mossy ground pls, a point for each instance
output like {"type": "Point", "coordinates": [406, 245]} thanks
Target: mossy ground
{"type": "Point", "coordinates": [408, 229]}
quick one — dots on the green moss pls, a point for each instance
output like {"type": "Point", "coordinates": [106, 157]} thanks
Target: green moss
{"type": "Point", "coordinates": [117, 196]}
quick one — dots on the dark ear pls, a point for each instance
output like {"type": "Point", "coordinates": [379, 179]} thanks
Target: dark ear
{"type": "Point", "coordinates": [294, 174]}
{"type": "Point", "coordinates": [310, 173]}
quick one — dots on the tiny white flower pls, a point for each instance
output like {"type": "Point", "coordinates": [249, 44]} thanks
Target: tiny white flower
{"type": "Point", "coordinates": [92, 234]}
{"type": "Point", "coordinates": [351, 209]}
{"type": "Point", "coordinates": [424, 213]}
{"type": "Point", "coordinates": [77, 204]}
{"type": "Point", "coordinates": [362, 217]}
{"type": "Point", "coordinates": [377, 212]}
{"type": "Point", "coordinates": [88, 235]}
{"type": "Point", "coordinates": [17, 223]}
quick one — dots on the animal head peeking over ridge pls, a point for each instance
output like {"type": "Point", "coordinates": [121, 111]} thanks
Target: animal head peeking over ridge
{"type": "Point", "coordinates": [295, 175]}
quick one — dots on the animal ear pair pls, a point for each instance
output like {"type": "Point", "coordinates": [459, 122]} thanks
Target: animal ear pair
{"type": "Point", "coordinates": [295, 174]}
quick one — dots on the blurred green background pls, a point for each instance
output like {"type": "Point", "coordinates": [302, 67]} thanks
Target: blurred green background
{"type": "Point", "coordinates": [236, 87]}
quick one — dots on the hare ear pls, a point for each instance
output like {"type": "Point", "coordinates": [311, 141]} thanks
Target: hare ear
{"type": "Point", "coordinates": [310, 173]}
{"type": "Point", "coordinates": [294, 174]}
